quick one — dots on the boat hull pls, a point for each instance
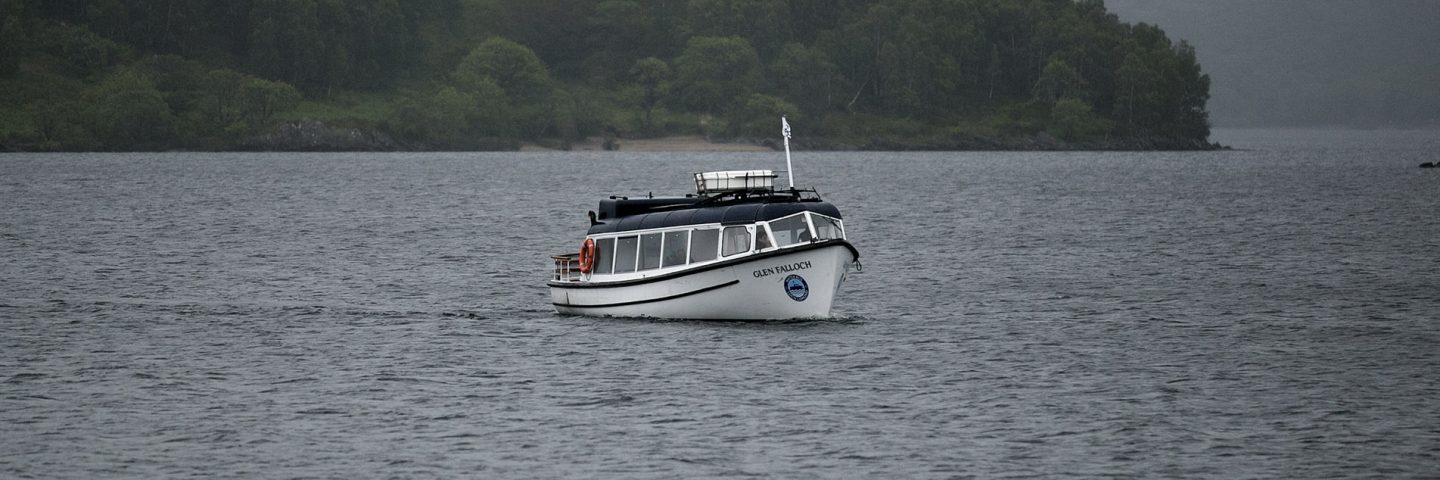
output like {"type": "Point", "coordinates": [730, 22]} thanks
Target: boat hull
{"type": "Point", "coordinates": [801, 283]}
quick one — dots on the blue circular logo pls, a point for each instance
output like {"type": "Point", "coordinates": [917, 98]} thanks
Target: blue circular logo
{"type": "Point", "coordinates": [796, 288]}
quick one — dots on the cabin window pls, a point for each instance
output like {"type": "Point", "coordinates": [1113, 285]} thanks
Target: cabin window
{"type": "Point", "coordinates": [650, 251]}
{"type": "Point", "coordinates": [791, 230]}
{"type": "Point", "coordinates": [827, 228]}
{"type": "Point", "coordinates": [674, 251]}
{"type": "Point", "coordinates": [703, 244]}
{"type": "Point", "coordinates": [737, 240]}
{"type": "Point", "coordinates": [762, 239]}
{"type": "Point", "coordinates": [625, 253]}
{"type": "Point", "coordinates": [604, 255]}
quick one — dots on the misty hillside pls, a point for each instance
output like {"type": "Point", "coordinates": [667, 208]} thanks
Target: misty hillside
{"type": "Point", "coordinates": [493, 74]}
{"type": "Point", "coordinates": [1360, 63]}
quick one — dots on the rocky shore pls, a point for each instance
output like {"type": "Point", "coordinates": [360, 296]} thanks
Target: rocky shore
{"type": "Point", "coordinates": [316, 136]}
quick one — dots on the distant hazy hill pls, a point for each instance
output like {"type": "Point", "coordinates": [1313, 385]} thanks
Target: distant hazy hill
{"type": "Point", "coordinates": [490, 74]}
{"type": "Point", "coordinates": [1362, 63]}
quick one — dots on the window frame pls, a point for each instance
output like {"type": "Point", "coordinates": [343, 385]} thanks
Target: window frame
{"type": "Point", "coordinates": [804, 219]}
{"type": "Point", "coordinates": [657, 239]}
{"type": "Point", "coordinates": [684, 251]}
{"type": "Point", "coordinates": [763, 228]}
{"type": "Point", "coordinates": [604, 257]}
{"type": "Point", "coordinates": [635, 266]}
{"type": "Point", "coordinates": [749, 243]}
{"type": "Point", "coordinates": [815, 229]}
{"type": "Point", "coordinates": [715, 254]}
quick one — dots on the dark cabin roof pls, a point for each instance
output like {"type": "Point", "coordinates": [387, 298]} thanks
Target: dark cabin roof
{"type": "Point", "coordinates": [621, 214]}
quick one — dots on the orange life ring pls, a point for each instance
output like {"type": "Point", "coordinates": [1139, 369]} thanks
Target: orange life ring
{"type": "Point", "coordinates": [587, 256]}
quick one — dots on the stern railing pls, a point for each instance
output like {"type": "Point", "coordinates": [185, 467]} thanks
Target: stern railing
{"type": "Point", "coordinates": [567, 267]}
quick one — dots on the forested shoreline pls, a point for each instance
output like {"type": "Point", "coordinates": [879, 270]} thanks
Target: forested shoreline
{"type": "Point", "coordinates": [135, 75]}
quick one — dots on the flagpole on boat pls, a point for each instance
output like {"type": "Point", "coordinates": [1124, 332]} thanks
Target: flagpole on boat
{"type": "Point", "coordinates": [789, 171]}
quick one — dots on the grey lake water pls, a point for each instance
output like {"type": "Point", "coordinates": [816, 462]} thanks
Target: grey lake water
{"type": "Point", "coordinates": [1269, 311]}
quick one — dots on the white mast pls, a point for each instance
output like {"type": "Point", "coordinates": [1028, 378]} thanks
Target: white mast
{"type": "Point", "coordinates": [789, 171]}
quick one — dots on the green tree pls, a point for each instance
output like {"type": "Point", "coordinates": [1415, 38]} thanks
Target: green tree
{"type": "Point", "coordinates": [1056, 81]}
{"type": "Point", "coordinates": [127, 113]}
{"type": "Point", "coordinates": [993, 72]}
{"type": "Point", "coordinates": [856, 46]}
{"type": "Point", "coordinates": [555, 30]}
{"type": "Point", "coordinates": [714, 73]}
{"type": "Point", "coordinates": [441, 121]}
{"type": "Point", "coordinates": [181, 81]}
{"type": "Point", "coordinates": [760, 22]}
{"type": "Point", "coordinates": [492, 116]}
{"type": "Point", "coordinates": [286, 44]}
{"type": "Point", "coordinates": [61, 126]}
{"type": "Point", "coordinates": [510, 65]}
{"type": "Point", "coordinates": [261, 100]}
{"type": "Point", "coordinates": [76, 51]}
{"type": "Point", "coordinates": [653, 75]}
{"type": "Point", "coordinates": [321, 45]}
{"type": "Point", "coordinates": [12, 37]}
{"type": "Point", "coordinates": [522, 80]}
{"type": "Point", "coordinates": [1192, 120]}
{"type": "Point", "coordinates": [223, 106]}
{"type": "Point", "coordinates": [759, 116]}
{"type": "Point", "coordinates": [619, 31]}
{"type": "Point", "coordinates": [469, 116]}
{"type": "Point", "coordinates": [1072, 120]}
{"type": "Point", "coordinates": [1137, 94]}
{"type": "Point", "coordinates": [381, 40]}
{"type": "Point", "coordinates": [807, 77]}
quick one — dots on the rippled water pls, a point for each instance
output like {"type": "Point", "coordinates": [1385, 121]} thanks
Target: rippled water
{"type": "Point", "coordinates": [1269, 311]}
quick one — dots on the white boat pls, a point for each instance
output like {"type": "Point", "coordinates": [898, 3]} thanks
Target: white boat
{"type": "Point", "coordinates": [738, 249]}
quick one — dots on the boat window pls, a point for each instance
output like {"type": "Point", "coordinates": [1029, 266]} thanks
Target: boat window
{"type": "Point", "coordinates": [790, 230]}
{"type": "Point", "coordinates": [737, 240]}
{"type": "Point", "coordinates": [625, 249]}
{"type": "Point", "coordinates": [762, 240]}
{"type": "Point", "coordinates": [675, 243]}
{"type": "Point", "coordinates": [604, 255]}
{"type": "Point", "coordinates": [650, 251]}
{"type": "Point", "coordinates": [827, 228]}
{"type": "Point", "coordinates": [703, 244]}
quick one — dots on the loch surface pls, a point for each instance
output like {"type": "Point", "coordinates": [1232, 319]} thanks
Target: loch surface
{"type": "Point", "coordinates": [1269, 311]}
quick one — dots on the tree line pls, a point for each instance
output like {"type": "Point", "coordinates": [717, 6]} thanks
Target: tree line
{"type": "Point", "coordinates": [463, 74]}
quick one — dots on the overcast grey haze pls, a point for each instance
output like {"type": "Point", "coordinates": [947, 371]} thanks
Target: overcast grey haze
{"type": "Point", "coordinates": [1357, 63]}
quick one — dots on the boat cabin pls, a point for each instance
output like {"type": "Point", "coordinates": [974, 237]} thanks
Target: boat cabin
{"type": "Point", "coordinates": [734, 215]}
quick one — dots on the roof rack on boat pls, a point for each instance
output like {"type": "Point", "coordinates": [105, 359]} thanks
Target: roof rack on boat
{"type": "Point", "coordinates": [708, 183]}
